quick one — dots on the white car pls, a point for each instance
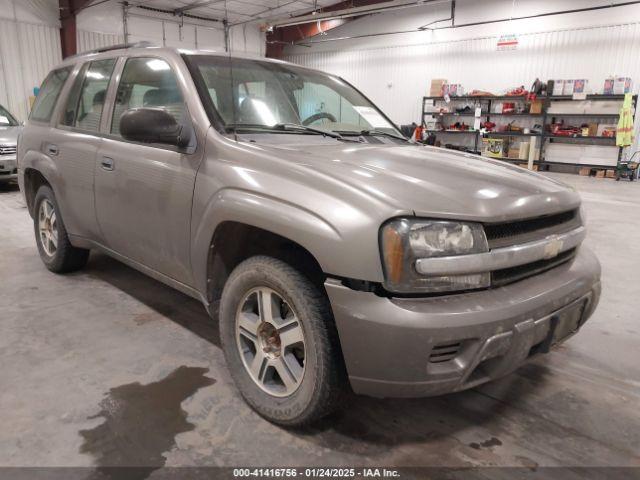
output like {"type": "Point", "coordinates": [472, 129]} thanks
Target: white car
{"type": "Point", "coordinates": [9, 130]}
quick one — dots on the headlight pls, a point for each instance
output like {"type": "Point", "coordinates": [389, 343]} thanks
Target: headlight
{"type": "Point", "coordinates": [403, 241]}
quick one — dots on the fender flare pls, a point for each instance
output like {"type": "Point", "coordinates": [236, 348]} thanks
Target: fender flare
{"type": "Point", "coordinates": [299, 225]}
{"type": "Point", "coordinates": [45, 166]}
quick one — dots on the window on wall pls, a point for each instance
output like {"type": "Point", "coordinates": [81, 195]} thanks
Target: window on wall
{"type": "Point", "coordinates": [147, 82]}
{"type": "Point", "coordinates": [49, 93]}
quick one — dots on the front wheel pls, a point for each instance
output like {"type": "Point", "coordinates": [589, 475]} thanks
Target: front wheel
{"type": "Point", "coordinates": [54, 246]}
{"type": "Point", "coordinates": [280, 342]}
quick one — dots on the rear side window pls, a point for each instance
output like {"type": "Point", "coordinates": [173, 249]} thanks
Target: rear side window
{"type": "Point", "coordinates": [86, 100]}
{"type": "Point", "coordinates": [147, 82]}
{"type": "Point", "coordinates": [49, 93]}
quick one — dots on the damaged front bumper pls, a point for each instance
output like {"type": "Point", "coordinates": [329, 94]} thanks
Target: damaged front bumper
{"type": "Point", "coordinates": [412, 347]}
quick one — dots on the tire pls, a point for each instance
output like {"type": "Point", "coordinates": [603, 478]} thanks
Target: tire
{"type": "Point", "coordinates": [54, 246]}
{"type": "Point", "coordinates": [316, 384]}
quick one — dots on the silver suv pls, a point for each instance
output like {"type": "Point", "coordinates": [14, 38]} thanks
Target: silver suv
{"type": "Point", "coordinates": [9, 131]}
{"type": "Point", "coordinates": [334, 253]}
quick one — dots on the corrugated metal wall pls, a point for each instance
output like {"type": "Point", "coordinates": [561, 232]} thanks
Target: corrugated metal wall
{"type": "Point", "coordinates": [27, 53]}
{"type": "Point", "coordinates": [397, 77]}
{"type": "Point", "coordinates": [92, 40]}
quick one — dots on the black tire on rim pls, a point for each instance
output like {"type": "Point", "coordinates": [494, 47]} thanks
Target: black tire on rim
{"type": "Point", "coordinates": [54, 246]}
{"type": "Point", "coordinates": [280, 342]}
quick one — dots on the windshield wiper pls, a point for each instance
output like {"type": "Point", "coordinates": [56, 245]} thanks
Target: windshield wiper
{"type": "Point", "coordinates": [283, 127]}
{"type": "Point", "coordinates": [299, 126]}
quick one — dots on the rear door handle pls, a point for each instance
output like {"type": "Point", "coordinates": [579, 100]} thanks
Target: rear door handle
{"type": "Point", "coordinates": [107, 163]}
{"type": "Point", "coordinates": [52, 149]}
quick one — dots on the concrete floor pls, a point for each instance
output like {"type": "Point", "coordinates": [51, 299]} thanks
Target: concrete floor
{"type": "Point", "coordinates": [109, 367]}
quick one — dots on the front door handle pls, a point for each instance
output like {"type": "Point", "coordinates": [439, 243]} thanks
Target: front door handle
{"type": "Point", "coordinates": [52, 149]}
{"type": "Point", "coordinates": [107, 163]}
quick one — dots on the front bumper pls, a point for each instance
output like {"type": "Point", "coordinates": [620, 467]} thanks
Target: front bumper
{"type": "Point", "coordinates": [413, 347]}
{"type": "Point", "coordinates": [8, 167]}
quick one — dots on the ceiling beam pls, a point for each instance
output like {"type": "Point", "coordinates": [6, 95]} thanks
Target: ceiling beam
{"type": "Point", "coordinates": [365, 8]}
{"type": "Point", "coordinates": [278, 38]}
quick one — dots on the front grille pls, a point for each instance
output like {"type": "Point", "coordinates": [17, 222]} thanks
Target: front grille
{"type": "Point", "coordinates": [522, 231]}
{"type": "Point", "coordinates": [513, 274]}
{"type": "Point", "coordinates": [444, 353]}
{"type": "Point", "coordinates": [7, 149]}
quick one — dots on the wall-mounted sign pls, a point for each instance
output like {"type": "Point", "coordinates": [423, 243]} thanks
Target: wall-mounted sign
{"type": "Point", "coordinates": [508, 41]}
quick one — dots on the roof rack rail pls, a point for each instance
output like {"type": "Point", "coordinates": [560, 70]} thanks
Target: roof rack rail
{"type": "Point", "coordinates": [119, 46]}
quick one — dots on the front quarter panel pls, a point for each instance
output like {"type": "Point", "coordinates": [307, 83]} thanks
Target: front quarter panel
{"type": "Point", "coordinates": [337, 224]}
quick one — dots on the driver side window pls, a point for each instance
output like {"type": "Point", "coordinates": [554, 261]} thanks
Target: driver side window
{"type": "Point", "coordinates": [147, 82]}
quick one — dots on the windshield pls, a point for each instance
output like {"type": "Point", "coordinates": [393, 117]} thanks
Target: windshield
{"type": "Point", "coordinates": [259, 95]}
{"type": "Point", "coordinates": [6, 119]}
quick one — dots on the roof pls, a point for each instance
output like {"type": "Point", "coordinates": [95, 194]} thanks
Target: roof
{"type": "Point", "coordinates": [145, 47]}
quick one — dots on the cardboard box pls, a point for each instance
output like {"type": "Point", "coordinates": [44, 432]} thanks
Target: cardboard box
{"type": "Point", "coordinates": [580, 85]}
{"type": "Point", "coordinates": [600, 174]}
{"type": "Point", "coordinates": [568, 87]}
{"type": "Point", "coordinates": [585, 171]}
{"type": "Point", "coordinates": [621, 85]}
{"type": "Point", "coordinates": [493, 147]}
{"type": "Point", "coordinates": [514, 152]}
{"type": "Point", "coordinates": [536, 107]}
{"type": "Point", "coordinates": [437, 85]}
{"type": "Point", "coordinates": [605, 126]}
{"type": "Point", "coordinates": [593, 129]}
{"type": "Point", "coordinates": [608, 86]}
{"type": "Point", "coordinates": [611, 174]}
{"type": "Point", "coordinates": [558, 87]}
{"type": "Point", "coordinates": [523, 151]}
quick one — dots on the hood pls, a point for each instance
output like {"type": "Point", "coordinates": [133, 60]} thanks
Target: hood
{"type": "Point", "coordinates": [430, 181]}
{"type": "Point", "coordinates": [9, 135]}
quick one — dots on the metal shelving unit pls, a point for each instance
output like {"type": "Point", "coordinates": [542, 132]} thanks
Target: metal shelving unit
{"type": "Point", "coordinates": [546, 117]}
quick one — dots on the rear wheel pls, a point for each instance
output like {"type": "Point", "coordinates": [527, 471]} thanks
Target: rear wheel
{"type": "Point", "coordinates": [280, 342]}
{"type": "Point", "coordinates": [54, 246]}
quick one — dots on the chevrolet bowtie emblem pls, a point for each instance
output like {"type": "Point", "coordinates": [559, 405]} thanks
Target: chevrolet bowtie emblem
{"type": "Point", "coordinates": [553, 247]}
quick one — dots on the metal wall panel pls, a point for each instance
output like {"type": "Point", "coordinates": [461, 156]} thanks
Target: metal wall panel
{"type": "Point", "coordinates": [397, 77]}
{"type": "Point", "coordinates": [27, 53]}
{"type": "Point", "coordinates": [91, 40]}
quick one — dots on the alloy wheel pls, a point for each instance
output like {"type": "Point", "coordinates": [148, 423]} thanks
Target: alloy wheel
{"type": "Point", "coordinates": [48, 227]}
{"type": "Point", "coordinates": [271, 342]}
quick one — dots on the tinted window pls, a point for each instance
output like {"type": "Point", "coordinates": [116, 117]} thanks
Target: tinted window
{"type": "Point", "coordinates": [85, 105]}
{"type": "Point", "coordinates": [69, 116]}
{"type": "Point", "coordinates": [49, 93]}
{"type": "Point", "coordinates": [147, 82]}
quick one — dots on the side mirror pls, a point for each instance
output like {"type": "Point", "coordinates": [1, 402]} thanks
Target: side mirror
{"type": "Point", "coordinates": [153, 125]}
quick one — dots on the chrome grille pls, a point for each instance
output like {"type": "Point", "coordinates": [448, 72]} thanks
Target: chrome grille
{"type": "Point", "coordinates": [522, 231]}
{"type": "Point", "coordinates": [513, 274]}
{"type": "Point", "coordinates": [7, 149]}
